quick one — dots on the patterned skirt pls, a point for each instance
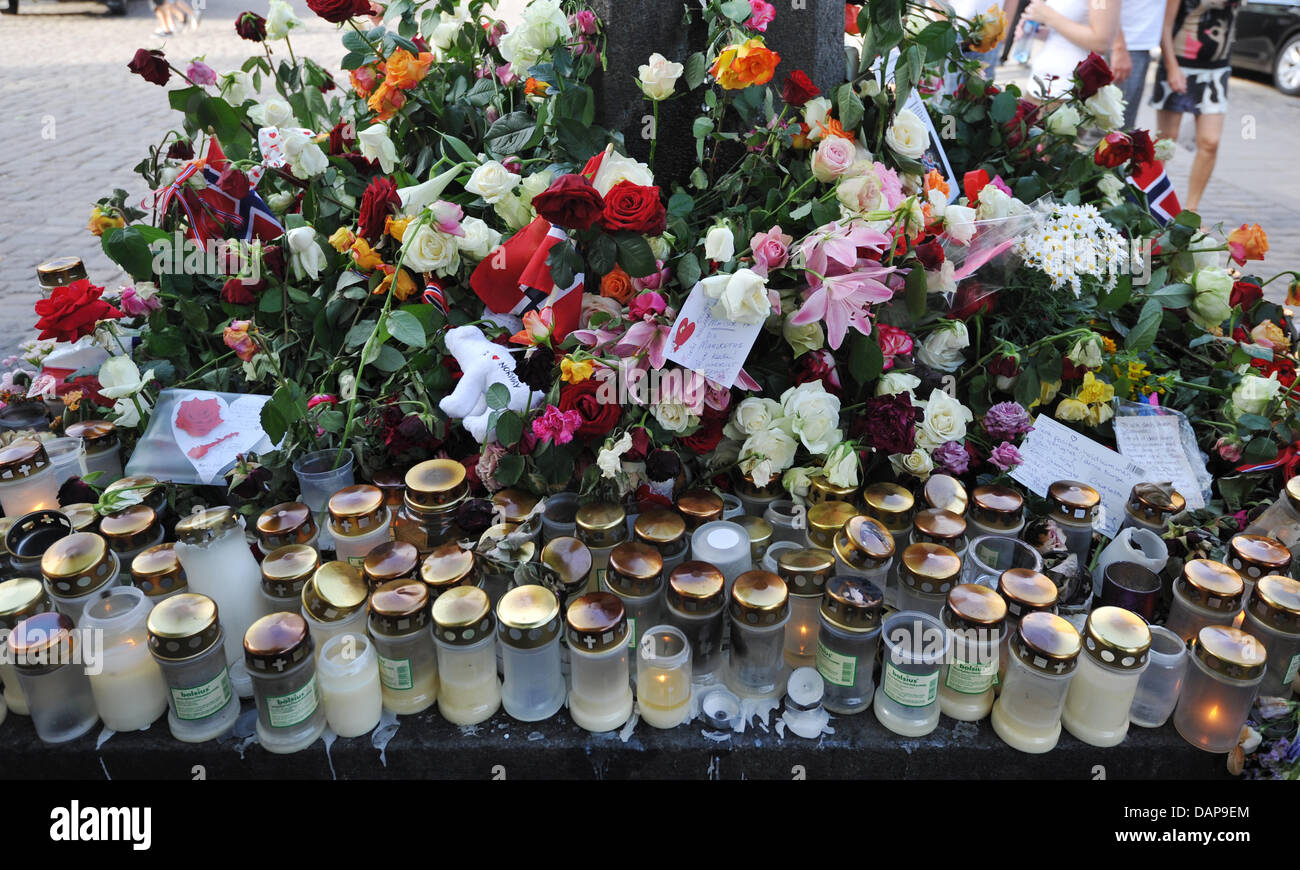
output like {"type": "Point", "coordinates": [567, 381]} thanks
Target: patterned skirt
{"type": "Point", "coordinates": [1206, 94]}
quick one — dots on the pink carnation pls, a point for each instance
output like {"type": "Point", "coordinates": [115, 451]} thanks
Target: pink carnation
{"type": "Point", "coordinates": [894, 342]}
{"type": "Point", "coordinates": [556, 425]}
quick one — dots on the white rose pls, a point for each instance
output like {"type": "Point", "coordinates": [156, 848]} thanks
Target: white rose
{"type": "Point", "coordinates": [479, 239]}
{"type": "Point", "coordinates": [310, 162]}
{"type": "Point", "coordinates": [305, 255]}
{"type": "Point", "coordinates": [119, 378]}
{"type": "Point", "coordinates": [842, 465]}
{"type": "Point", "coordinates": [893, 383]}
{"type": "Point", "coordinates": [1111, 188]}
{"type": "Point", "coordinates": [610, 458]}
{"type": "Point", "coordinates": [767, 453]}
{"type": "Point", "coordinates": [834, 157]}
{"type": "Point", "coordinates": [813, 414]}
{"type": "Point", "coordinates": [279, 202]}
{"type": "Point", "coordinates": [1253, 394]}
{"type": "Point", "coordinates": [428, 250]}
{"type": "Point", "coordinates": [271, 112]}
{"type": "Point", "coordinates": [1087, 352]}
{"type": "Point", "coordinates": [816, 113]}
{"type": "Point", "coordinates": [917, 463]}
{"type": "Point", "coordinates": [752, 415]}
{"type": "Point", "coordinates": [1107, 108]}
{"type": "Point", "coordinates": [803, 339]}
{"type": "Point", "coordinates": [660, 246]}
{"type": "Point", "coordinates": [492, 181]}
{"type": "Point", "coordinates": [514, 211]}
{"type": "Point", "coordinates": [518, 50]}
{"type": "Point", "coordinates": [797, 480]}
{"type": "Point", "coordinates": [908, 135]}
{"type": "Point", "coordinates": [375, 145]}
{"type": "Point", "coordinates": [673, 415]}
{"type": "Point", "coordinates": [997, 203]}
{"type": "Point", "coordinates": [720, 244]}
{"type": "Point", "coordinates": [1064, 121]}
{"type": "Point", "coordinates": [860, 194]}
{"type": "Point", "coordinates": [237, 87]}
{"type": "Point", "coordinates": [945, 420]}
{"type": "Point", "coordinates": [959, 221]}
{"type": "Point", "coordinates": [535, 184]}
{"type": "Point", "coordinates": [445, 33]}
{"type": "Point", "coordinates": [1203, 257]}
{"type": "Point", "coordinates": [127, 414]}
{"type": "Point", "coordinates": [942, 349]}
{"type": "Point", "coordinates": [1165, 149]}
{"type": "Point", "coordinates": [280, 20]}
{"type": "Point", "coordinates": [615, 168]}
{"type": "Point", "coordinates": [942, 280]}
{"type": "Point", "coordinates": [658, 78]}
{"type": "Point", "coordinates": [741, 297]}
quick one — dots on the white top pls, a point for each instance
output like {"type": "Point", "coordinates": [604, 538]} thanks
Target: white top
{"type": "Point", "coordinates": [1058, 56]}
{"type": "Point", "coordinates": [1141, 21]}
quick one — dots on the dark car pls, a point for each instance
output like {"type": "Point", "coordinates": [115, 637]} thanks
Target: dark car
{"type": "Point", "coordinates": [1268, 41]}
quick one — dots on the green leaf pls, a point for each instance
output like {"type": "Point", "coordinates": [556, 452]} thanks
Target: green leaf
{"type": "Point", "coordinates": [1143, 333]}
{"type": "Point", "coordinates": [359, 333]}
{"type": "Point", "coordinates": [580, 140]}
{"type": "Point", "coordinates": [510, 428]}
{"type": "Point", "coordinates": [512, 134]}
{"type": "Point", "coordinates": [1174, 295]}
{"type": "Point", "coordinates": [406, 328]}
{"type": "Point", "coordinates": [602, 255]}
{"type": "Point", "coordinates": [697, 67]}
{"type": "Point", "coordinates": [738, 11]}
{"type": "Point", "coordinates": [914, 292]}
{"type": "Point", "coordinates": [462, 150]}
{"type": "Point", "coordinates": [681, 204]}
{"type": "Point", "coordinates": [133, 248]}
{"type": "Point", "coordinates": [634, 255]}
{"type": "Point", "coordinates": [850, 106]}
{"type": "Point", "coordinates": [565, 263]}
{"type": "Point", "coordinates": [688, 271]}
{"type": "Point", "coordinates": [1028, 388]}
{"type": "Point", "coordinates": [1259, 450]}
{"type": "Point", "coordinates": [866, 361]}
{"type": "Point", "coordinates": [1003, 108]}
{"type": "Point", "coordinates": [509, 469]}
{"type": "Point", "coordinates": [1254, 422]}
{"type": "Point", "coordinates": [274, 423]}
{"type": "Point", "coordinates": [498, 397]}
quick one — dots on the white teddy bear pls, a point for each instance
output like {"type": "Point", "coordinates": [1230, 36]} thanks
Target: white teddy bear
{"type": "Point", "coordinates": [483, 364]}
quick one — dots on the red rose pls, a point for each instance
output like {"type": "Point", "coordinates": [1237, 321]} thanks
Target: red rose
{"type": "Point", "coordinates": [973, 182]}
{"type": "Point", "coordinates": [1072, 372]}
{"type": "Point", "coordinates": [273, 259]}
{"type": "Point", "coordinates": [238, 291]}
{"type": "Point", "coordinates": [377, 203]}
{"type": "Point", "coordinates": [1144, 150]}
{"type": "Point", "coordinates": [635, 208]}
{"type": "Point", "coordinates": [251, 26]}
{"type": "Point", "coordinates": [198, 417]}
{"type": "Point", "coordinates": [180, 150]}
{"type": "Point", "coordinates": [233, 182]}
{"type": "Point", "coordinates": [1026, 112]}
{"type": "Point", "coordinates": [705, 438]}
{"type": "Point", "coordinates": [72, 311]}
{"type": "Point", "coordinates": [1245, 294]}
{"type": "Point", "coordinates": [970, 299]}
{"type": "Point", "coordinates": [327, 85]}
{"type": "Point", "coordinates": [799, 89]}
{"type": "Point", "coordinates": [818, 365]}
{"type": "Point", "coordinates": [851, 11]}
{"type": "Point", "coordinates": [342, 137]}
{"type": "Point", "coordinates": [150, 65]}
{"type": "Point", "coordinates": [641, 445]}
{"type": "Point", "coordinates": [930, 253]}
{"type": "Point", "coordinates": [338, 11]}
{"type": "Point", "coordinates": [570, 202]}
{"type": "Point", "coordinates": [1093, 74]}
{"type": "Point", "coordinates": [1114, 150]}
{"type": "Point", "coordinates": [598, 417]}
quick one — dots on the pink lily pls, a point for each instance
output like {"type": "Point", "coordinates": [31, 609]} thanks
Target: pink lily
{"type": "Point", "coordinates": [648, 338]}
{"type": "Point", "coordinates": [845, 300]}
{"type": "Point", "coordinates": [833, 247]}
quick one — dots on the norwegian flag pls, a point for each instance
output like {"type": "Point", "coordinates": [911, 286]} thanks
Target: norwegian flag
{"type": "Point", "coordinates": [516, 279]}
{"type": "Point", "coordinates": [210, 210]}
{"type": "Point", "coordinates": [1162, 201]}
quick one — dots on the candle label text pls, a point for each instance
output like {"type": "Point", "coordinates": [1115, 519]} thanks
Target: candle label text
{"type": "Point", "coordinates": [836, 668]}
{"type": "Point", "coordinates": [971, 678]}
{"type": "Point", "coordinates": [200, 702]}
{"type": "Point", "coordinates": [285, 711]}
{"type": "Point", "coordinates": [395, 674]}
{"type": "Point", "coordinates": [910, 690]}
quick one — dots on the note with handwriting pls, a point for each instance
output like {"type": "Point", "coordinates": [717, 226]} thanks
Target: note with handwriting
{"type": "Point", "coordinates": [1155, 443]}
{"type": "Point", "coordinates": [713, 346]}
{"type": "Point", "coordinates": [1055, 452]}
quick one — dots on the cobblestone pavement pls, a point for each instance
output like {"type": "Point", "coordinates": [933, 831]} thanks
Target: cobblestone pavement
{"type": "Point", "coordinates": [74, 122]}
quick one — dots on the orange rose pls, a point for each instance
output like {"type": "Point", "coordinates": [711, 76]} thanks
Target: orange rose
{"type": "Point", "coordinates": [396, 227]}
{"type": "Point", "coordinates": [364, 79]}
{"type": "Point", "coordinates": [833, 127]}
{"type": "Point", "coordinates": [1248, 243]}
{"type": "Point", "coordinates": [750, 63]}
{"type": "Point", "coordinates": [1293, 293]}
{"type": "Point", "coordinates": [365, 258]}
{"type": "Point", "coordinates": [405, 70]}
{"type": "Point", "coordinates": [406, 287]}
{"type": "Point", "coordinates": [386, 100]}
{"type": "Point", "coordinates": [536, 88]}
{"type": "Point", "coordinates": [800, 140]}
{"type": "Point", "coordinates": [617, 285]}
{"type": "Point", "coordinates": [935, 181]}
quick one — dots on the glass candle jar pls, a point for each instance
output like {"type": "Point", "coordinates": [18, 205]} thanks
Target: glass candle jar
{"type": "Point", "coordinates": [129, 689]}
{"type": "Point", "coordinates": [724, 545]}
{"type": "Point", "coordinates": [1253, 557]}
{"type": "Point", "coordinates": [334, 602]}
{"type": "Point", "coordinates": [916, 646]}
{"type": "Point", "coordinates": [27, 481]}
{"type": "Point", "coordinates": [359, 522]}
{"type": "Point", "coordinates": [696, 600]}
{"type": "Point", "coordinates": [601, 695]}
{"type": "Point", "coordinates": [435, 490]}
{"type": "Point", "coordinates": [1281, 520]}
{"type": "Point", "coordinates": [1157, 690]}
{"type": "Point", "coordinates": [946, 493]}
{"type": "Point", "coordinates": [528, 629]}
{"type": "Point", "coordinates": [75, 568]}
{"type": "Point", "coordinates": [926, 573]}
{"type": "Point", "coordinates": [392, 482]}
{"type": "Point", "coordinates": [989, 556]}
{"type": "Point", "coordinates": [285, 571]}
{"type": "Point", "coordinates": [847, 642]}
{"type": "Point", "coordinates": [19, 598]}
{"type": "Point", "coordinates": [348, 670]}
{"type": "Point", "coordinates": [321, 474]}
{"type": "Point", "coordinates": [157, 572]}
{"type": "Point", "coordinates": [67, 458]}
{"type": "Point", "coordinates": [103, 448]}
{"type": "Point", "coordinates": [1273, 617]}
{"type": "Point", "coordinates": [760, 537]}
{"type": "Point", "coordinates": [821, 489]}
{"type": "Point", "coordinates": [787, 519]}
{"type": "Point", "coordinates": [699, 506]}
{"type": "Point", "coordinates": [1025, 592]}
{"type": "Point", "coordinates": [448, 566]}
{"type": "Point", "coordinates": [865, 548]}
{"type": "Point", "coordinates": [1074, 507]}
{"type": "Point", "coordinates": [1151, 506]}
{"type": "Point", "coordinates": [732, 509]}
{"type": "Point", "coordinates": [825, 521]}
{"type": "Point", "coordinates": [44, 651]}
{"type": "Point", "coordinates": [402, 630]}
{"type": "Point", "coordinates": [280, 657]}
{"type": "Point", "coordinates": [1205, 593]}
{"type": "Point", "coordinates": [129, 532]}
{"type": "Point", "coordinates": [186, 640]}
{"type": "Point", "coordinates": [1227, 665]}
{"type": "Point", "coordinates": [996, 510]}
{"type": "Point", "coordinates": [559, 516]}
{"type": "Point", "coordinates": [393, 560]}
{"type": "Point", "coordinates": [893, 506]}
{"type": "Point", "coordinates": [759, 611]}
{"type": "Point", "coordinates": [636, 576]}
{"type": "Point", "coordinates": [805, 572]}
{"type": "Point", "coordinates": [59, 272]}
{"type": "Point", "coordinates": [285, 524]}
{"type": "Point", "coordinates": [465, 632]}
{"type": "Point", "coordinates": [1130, 586]}
{"type": "Point", "coordinates": [601, 526]}
{"type": "Point", "coordinates": [665, 530]}
{"type": "Point", "coordinates": [30, 536]}
{"type": "Point", "coordinates": [1044, 656]}
{"type": "Point", "coordinates": [975, 617]}
{"type": "Point", "coordinates": [754, 498]}
{"type": "Point", "coordinates": [1115, 643]}
{"type": "Point", "coordinates": [775, 552]}
{"type": "Point", "coordinates": [663, 677]}
{"type": "Point", "coordinates": [503, 549]}
{"type": "Point", "coordinates": [1136, 546]}
{"type": "Point", "coordinates": [218, 563]}
{"type": "Point", "coordinates": [938, 526]}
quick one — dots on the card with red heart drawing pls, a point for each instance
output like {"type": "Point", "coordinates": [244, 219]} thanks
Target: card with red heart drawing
{"type": "Point", "coordinates": [713, 346]}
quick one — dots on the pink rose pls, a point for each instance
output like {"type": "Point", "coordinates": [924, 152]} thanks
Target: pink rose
{"type": "Point", "coordinates": [584, 22]}
{"type": "Point", "coordinates": [833, 157]}
{"type": "Point", "coordinates": [771, 250]}
{"type": "Point", "coordinates": [201, 74]}
{"type": "Point", "coordinates": [656, 280]}
{"type": "Point", "coordinates": [762, 14]}
{"type": "Point", "coordinates": [647, 305]}
{"type": "Point", "coordinates": [1229, 451]}
{"type": "Point", "coordinates": [135, 305]}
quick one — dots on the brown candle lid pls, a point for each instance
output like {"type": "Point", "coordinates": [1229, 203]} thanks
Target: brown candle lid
{"type": "Point", "coordinates": [945, 492]}
{"type": "Point", "coordinates": [335, 592]}
{"type": "Point", "coordinates": [938, 526]}
{"type": "Point", "coordinates": [357, 510]}
{"type": "Point", "coordinates": [399, 607]}
{"type": "Point", "coordinates": [78, 564]}
{"type": "Point", "coordinates": [463, 616]}
{"type": "Point", "coordinates": [805, 571]}
{"type": "Point", "coordinates": [1117, 638]}
{"type": "Point", "coordinates": [44, 638]}
{"type": "Point", "coordinates": [972, 606]}
{"type": "Point", "coordinates": [30, 535]}
{"type": "Point", "coordinates": [129, 528]}
{"type": "Point", "coordinates": [696, 587]}
{"type": "Point", "coordinates": [1292, 491]}
{"type": "Point", "coordinates": [1155, 502]}
{"type": "Point", "coordinates": [392, 482]}
{"type": "Point", "coordinates": [760, 535]}
{"type": "Point", "coordinates": [157, 571]}
{"type": "Point", "coordinates": [446, 567]}
{"type": "Point", "coordinates": [83, 515]}
{"type": "Point", "coordinates": [596, 622]}
{"type": "Point", "coordinates": [435, 484]}
{"type": "Point", "coordinates": [22, 458]}
{"type": "Point", "coordinates": [285, 570]}
{"type": "Point", "coordinates": [277, 642]}
{"type": "Point", "coordinates": [1073, 501]}
{"type": "Point", "coordinates": [287, 523]}
{"type": "Point", "coordinates": [20, 598]}
{"type": "Point", "coordinates": [864, 542]}
{"type": "Point", "coordinates": [60, 272]}
{"type": "Point", "coordinates": [1255, 555]}
{"type": "Point", "coordinates": [183, 626]}
{"type": "Point", "coordinates": [998, 507]}
{"type": "Point", "coordinates": [513, 505]}
{"type": "Point", "coordinates": [1211, 584]}
{"type": "Point", "coordinates": [660, 527]}
{"type": "Point", "coordinates": [825, 521]}
{"type": "Point", "coordinates": [528, 617]}
{"type": "Point", "coordinates": [391, 560]}
{"type": "Point", "coordinates": [699, 506]}
{"type": "Point", "coordinates": [601, 524]}
{"type": "Point", "coordinates": [1047, 643]}
{"type": "Point", "coordinates": [206, 524]}
{"type": "Point", "coordinates": [820, 489]}
{"type": "Point", "coordinates": [1027, 591]}
{"type": "Point", "coordinates": [930, 568]}
{"type": "Point", "coordinates": [1230, 651]}
{"type": "Point", "coordinates": [759, 598]}
{"type": "Point", "coordinates": [1275, 601]}
{"type": "Point", "coordinates": [852, 604]}
{"type": "Point", "coordinates": [635, 569]}
{"type": "Point", "coordinates": [96, 435]}
{"type": "Point", "coordinates": [889, 503]}
{"type": "Point", "coordinates": [570, 559]}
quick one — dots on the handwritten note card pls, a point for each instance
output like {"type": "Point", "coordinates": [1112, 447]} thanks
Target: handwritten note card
{"type": "Point", "coordinates": [1055, 452]}
{"type": "Point", "coordinates": [212, 432]}
{"type": "Point", "coordinates": [1154, 442]}
{"type": "Point", "coordinates": [712, 346]}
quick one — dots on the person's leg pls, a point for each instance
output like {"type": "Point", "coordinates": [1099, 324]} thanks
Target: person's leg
{"type": "Point", "coordinates": [1209, 131]}
{"type": "Point", "coordinates": [163, 14]}
{"type": "Point", "coordinates": [1133, 86]}
{"type": "Point", "coordinates": [1167, 124]}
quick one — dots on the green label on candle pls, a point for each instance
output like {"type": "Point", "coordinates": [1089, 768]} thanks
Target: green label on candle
{"type": "Point", "coordinates": [836, 668]}
{"type": "Point", "coordinates": [1291, 670]}
{"type": "Point", "coordinates": [202, 701]}
{"type": "Point", "coordinates": [971, 678]}
{"type": "Point", "coordinates": [910, 690]}
{"type": "Point", "coordinates": [285, 711]}
{"type": "Point", "coordinates": [357, 561]}
{"type": "Point", "coordinates": [631, 633]}
{"type": "Point", "coordinates": [395, 674]}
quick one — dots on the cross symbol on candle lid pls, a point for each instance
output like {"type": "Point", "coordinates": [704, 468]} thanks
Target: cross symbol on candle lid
{"type": "Point", "coordinates": [1060, 666]}
{"type": "Point", "coordinates": [347, 525]}
{"type": "Point", "coordinates": [278, 664]}
{"type": "Point", "coordinates": [589, 641]}
{"type": "Point", "coordinates": [24, 470]}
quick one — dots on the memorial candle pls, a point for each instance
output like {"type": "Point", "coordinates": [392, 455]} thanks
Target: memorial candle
{"type": "Point", "coordinates": [663, 681]}
{"type": "Point", "coordinates": [129, 689]}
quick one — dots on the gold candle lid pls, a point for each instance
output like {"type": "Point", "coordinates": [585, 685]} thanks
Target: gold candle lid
{"type": "Point", "coordinates": [745, 486]}
{"type": "Point", "coordinates": [864, 542]}
{"type": "Point", "coordinates": [970, 605]}
{"type": "Point", "coordinates": [1275, 601]}
{"type": "Point", "coordinates": [596, 622]}
{"type": "Point", "coordinates": [635, 570]}
{"type": "Point", "coordinates": [998, 507]}
{"type": "Point", "coordinates": [889, 503]}
{"type": "Point", "coordinates": [392, 560]}
{"type": "Point", "coordinates": [1212, 585]}
{"type": "Point", "coordinates": [206, 524]}
{"type": "Point", "coordinates": [399, 607]}
{"type": "Point", "coordinates": [287, 523]}
{"type": "Point", "coordinates": [82, 515]}
{"type": "Point", "coordinates": [570, 559]}
{"type": "Point", "coordinates": [1254, 556]}
{"type": "Point", "coordinates": [335, 592]}
{"type": "Point", "coordinates": [805, 571]}
{"type": "Point", "coordinates": [285, 570]}
{"type": "Point", "coordinates": [1155, 502]}
{"type": "Point", "coordinates": [760, 535]}
{"type": "Point", "coordinates": [1073, 501]}
{"type": "Point", "coordinates": [1117, 638]}
{"type": "Point", "coordinates": [946, 493]}
{"type": "Point", "coordinates": [447, 567]}
{"type": "Point", "coordinates": [696, 587]}
{"type": "Point", "coordinates": [825, 521]}
{"type": "Point", "coordinates": [43, 638]}
{"type": "Point", "coordinates": [436, 485]}
{"type": "Point", "coordinates": [463, 616]}
{"type": "Point", "coordinates": [276, 642]}
{"type": "Point", "coordinates": [22, 458]}
{"type": "Point", "coordinates": [7, 523]}
{"type": "Point", "coordinates": [660, 528]}
{"type": "Point", "coordinates": [1027, 591]}
{"type": "Point", "coordinates": [78, 564]}
{"type": "Point", "coordinates": [1292, 490]}
{"type": "Point", "coordinates": [129, 528]}
{"type": "Point", "coordinates": [1231, 652]}
{"type": "Point", "coordinates": [148, 488]}
{"type": "Point", "coordinates": [392, 482]}
{"type": "Point", "coordinates": [20, 598]}
{"type": "Point", "coordinates": [930, 568]}
{"type": "Point", "coordinates": [96, 435]}
{"type": "Point", "coordinates": [528, 617]}
{"type": "Point", "coordinates": [938, 526]}
{"type": "Point", "coordinates": [601, 524]}
{"type": "Point", "coordinates": [699, 506]}
{"type": "Point", "coordinates": [820, 489]}
{"type": "Point", "coordinates": [759, 598]}
{"type": "Point", "coordinates": [183, 626]}
{"type": "Point", "coordinates": [357, 510]}
{"type": "Point", "coordinates": [1047, 643]}
{"type": "Point", "coordinates": [60, 272]}
{"type": "Point", "coordinates": [513, 505]}
{"type": "Point", "coordinates": [852, 604]}
{"type": "Point", "coordinates": [157, 571]}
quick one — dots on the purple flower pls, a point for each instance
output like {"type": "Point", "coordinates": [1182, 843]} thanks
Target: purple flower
{"type": "Point", "coordinates": [1005, 456]}
{"type": "Point", "coordinates": [1007, 420]}
{"type": "Point", "coordinates": [951, 457]}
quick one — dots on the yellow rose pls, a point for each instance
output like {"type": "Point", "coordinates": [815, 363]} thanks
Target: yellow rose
{"type": "Point", "coordinates": [1047, 392]}
{"type": "Point", "coordinates": [102, 221]}
{"type": "Point", "coordinates": [366, 259]}
{"type": "Point", "coordinates": [1095, 392]}
{"type": "Point", "coordinates": [342, 239]}
{"type": "Point", "coordinates": [1071, 410]}
{"type": "Point", "coordinates": [575, 371]}
{"type": "Point", "coordinates": [396, 227]}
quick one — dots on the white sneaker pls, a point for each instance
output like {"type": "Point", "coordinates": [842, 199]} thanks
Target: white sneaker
{"type": "Point", "coordinates": [162, 34]}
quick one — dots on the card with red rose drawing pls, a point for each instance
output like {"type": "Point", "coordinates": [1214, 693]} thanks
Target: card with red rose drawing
{"type": "Point", "coordinates": [713, 346]}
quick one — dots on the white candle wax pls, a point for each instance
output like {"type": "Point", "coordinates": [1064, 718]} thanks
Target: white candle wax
{"type": "Point", "coordinates": [663, 696]}
{"type": "Point", "coordinates": [1097, 706]}
{"type": "Point", "coordinates": [725, 546]}
{"type": "Point", "coordinates": [469, 691]}
{"type": "Point", "coordinates": [348, 673]}
{"type": "Point", "coordinates": [129, 692]}
{"type": "Point", "coordinates": [224, 570]}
